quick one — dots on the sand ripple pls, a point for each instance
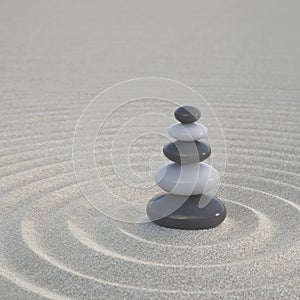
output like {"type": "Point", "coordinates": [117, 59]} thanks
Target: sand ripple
{"type": "Point", "coordinates": [55, 244]}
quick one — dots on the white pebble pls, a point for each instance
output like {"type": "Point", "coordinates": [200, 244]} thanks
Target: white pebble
{"type": "Point", "coordinates": [192, 179]}
{"type": "Point", "coordinates": [187, 132]}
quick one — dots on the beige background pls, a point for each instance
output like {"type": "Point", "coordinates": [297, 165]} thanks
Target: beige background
{"type": "Point", "coordinates": [55, 56]}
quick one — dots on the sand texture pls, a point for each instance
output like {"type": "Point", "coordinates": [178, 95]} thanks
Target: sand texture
{"type": "Point", "coordinates": [55, 56]}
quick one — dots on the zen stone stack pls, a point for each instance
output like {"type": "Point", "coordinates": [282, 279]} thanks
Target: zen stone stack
{"type": "Point", "coordinates": [187, 205]}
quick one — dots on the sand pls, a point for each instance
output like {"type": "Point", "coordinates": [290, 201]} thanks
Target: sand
{"type": "Point", "coordinates": [55, 56]}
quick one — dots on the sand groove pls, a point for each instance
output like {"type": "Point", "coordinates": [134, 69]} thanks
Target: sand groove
{"type": "Point", "coordinates": [55, 57]}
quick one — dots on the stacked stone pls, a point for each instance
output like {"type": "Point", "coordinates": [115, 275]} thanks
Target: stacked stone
{"type": "Point", "coordinates": [187, 180]}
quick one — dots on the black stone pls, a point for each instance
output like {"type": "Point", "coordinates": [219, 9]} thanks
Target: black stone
{"type": "Point", "coordinates": [189, 215]}
{"type": "Point", "coordinates": [187, 152]}
{"type": "Point", "coordinates": [187, 114]}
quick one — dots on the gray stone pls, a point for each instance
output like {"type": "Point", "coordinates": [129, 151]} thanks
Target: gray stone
{"type": "Point", "coordinates": [187, 152]}
{"type": "Point", "coordinates": [187, 114]}
{"type": "Point", "coordinates": [180, 212]}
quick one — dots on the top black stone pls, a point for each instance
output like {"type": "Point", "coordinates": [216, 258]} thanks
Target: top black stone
{"type": "Point", "coordinates": [187, 114]}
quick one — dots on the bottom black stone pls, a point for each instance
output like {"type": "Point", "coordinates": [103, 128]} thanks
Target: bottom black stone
{"type": "Point", "coordinates": [183, 212]}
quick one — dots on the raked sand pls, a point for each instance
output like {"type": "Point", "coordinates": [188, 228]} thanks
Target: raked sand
{"type": "Point", "coordinates": [55, 56]}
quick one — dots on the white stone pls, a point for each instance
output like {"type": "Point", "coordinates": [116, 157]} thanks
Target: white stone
{"type": "Point", "coordinates": [187, 132]}
{"type": "Point", "coordinates": [192, 179]}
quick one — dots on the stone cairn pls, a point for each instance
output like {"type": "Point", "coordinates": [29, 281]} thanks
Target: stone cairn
{"type": "Point", "coordinates": [187, 180]}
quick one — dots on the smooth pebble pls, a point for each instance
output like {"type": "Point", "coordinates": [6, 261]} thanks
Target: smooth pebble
{"type": "Point", "coordinates": [191, 179]}
{"type": "Point", "coordinates": [187, 152]}
{"type": "Point", "coordinates": [187, 114]}
{"type": "Point", "coordinates": [187, 132]}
